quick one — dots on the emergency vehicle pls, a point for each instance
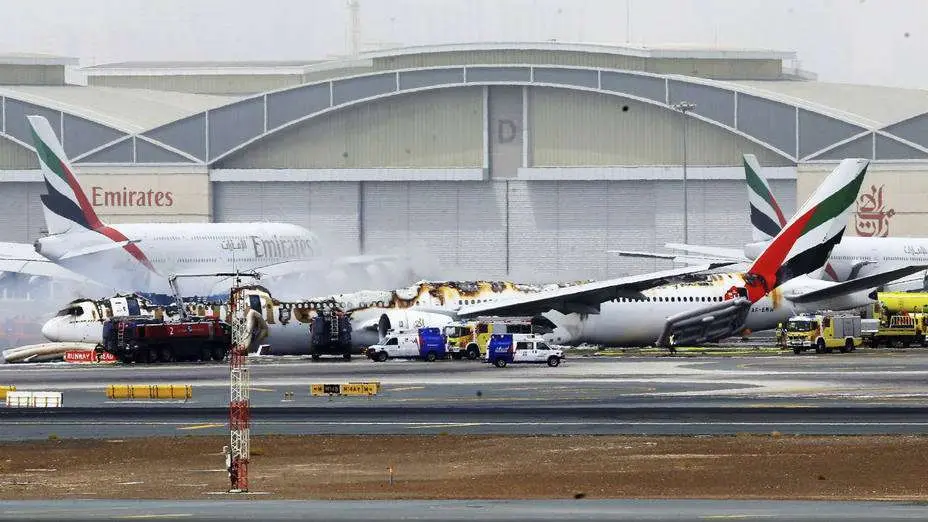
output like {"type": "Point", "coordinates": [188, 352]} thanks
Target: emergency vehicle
{"type": "Point", "coordinates": [145, 339]}
{"type": "Point", "coordinates": [521, 348]}
{"type": "Point", "coordinates": [469, 338]}
{"type": "Point", "coordinates": [902, 328]}
{"type": "Point", "coordinates": [823, 332]}
{"type": "Point", "coordinates": [425, 343]}
{"type": "Point", "coordinates": [461, 340]}
{"type": "Point", "coordinates": [330, 333]}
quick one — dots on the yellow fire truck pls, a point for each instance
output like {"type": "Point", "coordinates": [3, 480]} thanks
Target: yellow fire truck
{"type": "Point", "coordinates": [470, 338]}
{"type": "Point", "coordinates": [823, 332]}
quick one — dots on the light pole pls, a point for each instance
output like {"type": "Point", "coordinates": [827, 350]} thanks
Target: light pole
{"type": "Point", "coordinates": [684, 107]}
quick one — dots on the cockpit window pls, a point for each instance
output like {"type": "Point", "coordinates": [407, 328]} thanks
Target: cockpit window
{"type": "Point", "coordinates": [71, 310]}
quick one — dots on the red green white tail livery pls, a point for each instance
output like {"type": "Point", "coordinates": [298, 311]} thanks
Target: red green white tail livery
{"type": "Point", "coordinates": [805, 242]}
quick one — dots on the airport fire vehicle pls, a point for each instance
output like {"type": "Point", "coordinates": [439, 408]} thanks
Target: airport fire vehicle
{"type": "Point", "coordinates": [521, 348]}
{"type": "Point", "coordinates": [461, 340]}
{"type": "Point", "coordinates": [330, 332]}
{"type": "Point", "coordinates": [823, 332]}
{"type": "Point", "coordinates": [901, 328]}
{"type": "Point", "coordinates": [469, 338]}
{"type": "Point", "coordinates": [145, 339]}
{"type": "Point", "coordinates": [425, 343]}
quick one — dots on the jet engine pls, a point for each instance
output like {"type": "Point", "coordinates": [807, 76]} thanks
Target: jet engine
{"type": "Point", "coordinates": [409, 319]}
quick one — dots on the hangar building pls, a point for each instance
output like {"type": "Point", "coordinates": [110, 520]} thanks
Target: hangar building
{"type": "Point", "coordinates": [531, 160]}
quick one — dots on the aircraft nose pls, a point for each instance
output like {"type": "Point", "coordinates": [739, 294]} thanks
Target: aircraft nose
{"type": "Point", "coordinates": [51, 330]}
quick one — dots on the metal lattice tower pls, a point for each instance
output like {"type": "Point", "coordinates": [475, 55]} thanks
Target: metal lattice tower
{"type": "Point", "coordinates": [239, 382]}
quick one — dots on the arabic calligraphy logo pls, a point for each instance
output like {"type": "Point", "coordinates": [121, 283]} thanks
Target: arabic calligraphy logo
{"type": "Point", "coordinates": [871, 218]}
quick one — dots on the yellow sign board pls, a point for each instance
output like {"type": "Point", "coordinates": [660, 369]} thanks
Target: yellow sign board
{"type": "Point", "coordinates": [4, 389]}
{"type": "Point", "coordinates": [348, 389]}
{"type": "Point", "coordinates": [149, 391]}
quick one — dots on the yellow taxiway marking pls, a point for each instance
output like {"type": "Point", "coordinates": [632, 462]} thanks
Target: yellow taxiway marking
{"type": "Point", "coordinates": [408, 388]}
{"type": "Point", "coordinates": [201, 426]}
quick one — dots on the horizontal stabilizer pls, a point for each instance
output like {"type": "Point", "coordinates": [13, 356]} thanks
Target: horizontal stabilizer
{"type": "Point", "coordinates": [95, 249]}
{"type": "Point", "coordinates": [856, 285]}
{"type": "Point", "coordinates": [676, 258]}
{"type": "Point", "coordinates": [711, 251]}
{"type": "Point", "coordinates": [21, 258]}
{"type": "Point", "coordinates": [706, 324]}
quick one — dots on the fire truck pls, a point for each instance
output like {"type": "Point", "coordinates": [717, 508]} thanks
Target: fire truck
{"type": "Point", "coordinates": [823, 332]}
{"type": "Point", "coordinates": [470, 338]}
{"type": "Point", "coordinates": [145, 339]}
{"type": "Point", "coordinates": [330, 331]}
{"type": "Point", "coordinates": [149, 339]}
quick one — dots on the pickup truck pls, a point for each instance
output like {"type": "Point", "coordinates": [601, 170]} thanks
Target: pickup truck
{"type": "Point", "coordinates": [521, 348]}
{"type": "Point", "coordinates": [425, 343]}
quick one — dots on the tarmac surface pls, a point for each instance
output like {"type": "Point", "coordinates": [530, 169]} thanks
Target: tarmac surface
{"type": "Point", "coordinates": [550, 510]}
{"type": "Point", "coordinates": [857, 393]}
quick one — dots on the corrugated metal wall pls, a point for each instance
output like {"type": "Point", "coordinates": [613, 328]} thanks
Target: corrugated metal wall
{"type": "Point", "coordinates": [330, 209]}
{"type": "Point", "coordinates": [21, 219]}
{"type": "Point", "coordinates": [14, 156]}
{"type": "Point", "coordinates": [556, 230]}
{"type": "Point", "coordinates": [575, 128]}
{"type": "Point", "coordinates": [430, 129]}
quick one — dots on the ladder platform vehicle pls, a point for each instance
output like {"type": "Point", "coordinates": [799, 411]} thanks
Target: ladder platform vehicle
{"type": "Point", "coordinates": [504, 349]}
{"type": "Point", "coordinates": [426, 343]}
{"type": "Point", "coordinates": [329, 330]}
{"type": "Point", "coordinates": [823, 332]}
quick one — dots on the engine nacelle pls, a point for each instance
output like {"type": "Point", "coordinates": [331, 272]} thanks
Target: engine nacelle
{"type": "Point", "coordinates": [409, 319]}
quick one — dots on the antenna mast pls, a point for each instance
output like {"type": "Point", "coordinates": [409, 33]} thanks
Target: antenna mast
{"type": "Point", "coordinates": [354, 27]}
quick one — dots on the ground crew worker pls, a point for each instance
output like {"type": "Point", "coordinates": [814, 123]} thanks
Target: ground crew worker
{"type": "Point", "coordinates": [232, 478]}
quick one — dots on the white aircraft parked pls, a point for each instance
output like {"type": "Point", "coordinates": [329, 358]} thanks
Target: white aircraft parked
{"type": "Point", "coordinates": [139, 257]}
{"type": "Point", "coordinates": [852, 258]}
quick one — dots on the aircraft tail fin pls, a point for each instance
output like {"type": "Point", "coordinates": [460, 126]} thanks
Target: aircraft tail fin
{"type": "Point", "coordinates": [804, 244]}
{"type": "Point", "coordinates": [766, 216]}
{"type": "Point", "coordinates": [65, 206]}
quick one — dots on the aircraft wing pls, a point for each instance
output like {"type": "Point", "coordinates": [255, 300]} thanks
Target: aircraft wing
{"type": "Point", "coordinates": [21, 258]}
{"type": "Point", "coordinates": [584, 298]}
{"type": "Point", "coordinates": [856, 285]}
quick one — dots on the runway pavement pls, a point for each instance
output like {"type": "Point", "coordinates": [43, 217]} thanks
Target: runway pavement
{"type": "Point", "coordinates": [831, 394]}
{"type": "Point", "coordinates": [528, 510]}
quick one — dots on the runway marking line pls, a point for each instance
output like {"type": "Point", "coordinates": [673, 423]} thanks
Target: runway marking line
{"type": "Point", "coordinates": [261, 389]}
{"type": "Point", "coordinates": [732, 517]}
{"type": "Point", "coordinates": [161, 515]}
{"type": "Point", "coordinates": [201, 426]}
{"type": "Point", "coordinates": [408, 388]}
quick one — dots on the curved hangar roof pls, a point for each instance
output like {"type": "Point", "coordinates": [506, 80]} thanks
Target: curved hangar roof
{"type": "Point", "coordinates": [798, 120]}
